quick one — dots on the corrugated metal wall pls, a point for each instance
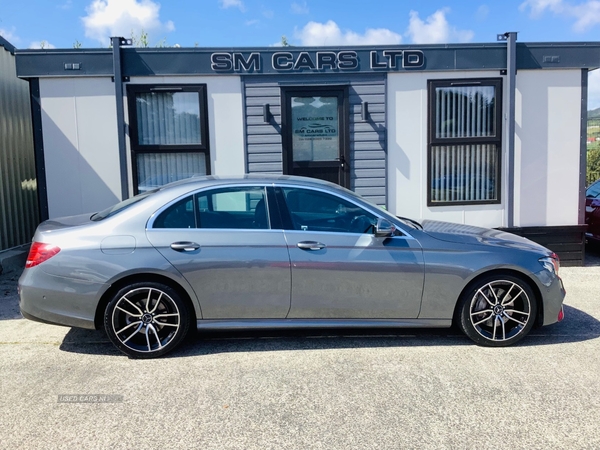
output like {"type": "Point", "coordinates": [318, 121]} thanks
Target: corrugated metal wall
{"type": "Point", "coordinates": [18, 187]}
{"type": "Point", "coordinates": [367, 138]}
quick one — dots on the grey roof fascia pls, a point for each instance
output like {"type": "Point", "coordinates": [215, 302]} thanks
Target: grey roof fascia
{"type": "Point", "coordinates": [558, 55]}
{"type": "Point", "coordinates": [53, 62]}
{"type": "Point", "coordinates": [197, 61]}
{"type": "Point", "coordinates": [7, 45]}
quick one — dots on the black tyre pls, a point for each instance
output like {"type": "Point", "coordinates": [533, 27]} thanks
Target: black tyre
{"type": "Point", "coordinates": [146, 320]}
{"type": "Point", "coordinates": [497, 311]}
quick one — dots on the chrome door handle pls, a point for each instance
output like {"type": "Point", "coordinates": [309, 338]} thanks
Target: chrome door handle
{"type": "Point", "coordinates": [310, 245]}
{"type": "Point", "coordinates": [185, 246]}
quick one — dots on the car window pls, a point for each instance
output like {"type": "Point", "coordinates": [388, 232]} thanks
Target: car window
{"type": "Point", "coordinates": [108, 212]}
{"type": "Point", "coordinates": [236, 207]}
{"type": "Point", "coordinates": [179, 215]}
{"type": "Point", "coordinates": [318, 211]}
{"type": "Point", "coordinates": [593, 191]}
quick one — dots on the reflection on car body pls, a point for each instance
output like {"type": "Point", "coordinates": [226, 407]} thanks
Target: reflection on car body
{"type": "Point", "coordinates": [279, 252]}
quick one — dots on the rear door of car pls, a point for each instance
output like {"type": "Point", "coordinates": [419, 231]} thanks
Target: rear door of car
{"type": "Point", "coordinates": [340, 269]}
{"type": "Point", "coordinates": [222, 241]}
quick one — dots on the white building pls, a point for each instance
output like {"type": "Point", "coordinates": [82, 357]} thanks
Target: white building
{"type": "Point", "coordinates": [483, 134]}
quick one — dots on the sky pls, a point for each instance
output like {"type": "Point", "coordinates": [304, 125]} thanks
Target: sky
{"type": "Point", "coordinates": [259, 23]}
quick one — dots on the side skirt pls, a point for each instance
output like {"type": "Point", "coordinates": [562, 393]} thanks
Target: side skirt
{"type": "Point", "coordinates": [282, 324]}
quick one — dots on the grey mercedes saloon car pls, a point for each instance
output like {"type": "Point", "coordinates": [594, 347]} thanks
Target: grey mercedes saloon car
{"type": "Point", "coordinates": [279, 252]}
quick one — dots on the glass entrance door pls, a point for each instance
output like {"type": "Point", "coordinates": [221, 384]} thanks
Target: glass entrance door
{"type": "Point", "coordinates": [315, 133]}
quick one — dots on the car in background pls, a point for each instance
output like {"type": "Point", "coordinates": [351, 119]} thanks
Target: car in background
{"type": "Point", "coordinates": [592, 212]}
{"type": "Point", "coordinates": [278, 252]}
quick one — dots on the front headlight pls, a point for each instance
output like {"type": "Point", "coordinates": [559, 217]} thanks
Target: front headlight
{"type": "Point", "coordinates": [551, 263]}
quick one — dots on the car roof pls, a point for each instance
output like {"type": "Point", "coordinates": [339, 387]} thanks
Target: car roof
{"type": "Point", "coordinates": [212, 180]}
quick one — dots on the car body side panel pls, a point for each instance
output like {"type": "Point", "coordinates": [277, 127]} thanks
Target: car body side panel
{"type": "Point", "coordinates": [236, 274]}
{"type": "Point", "coordinates": [450, 267]}
{"type": "Point", "coordinates": [67, 288]}
{"type": "Point", "coordinates": [355, 276]}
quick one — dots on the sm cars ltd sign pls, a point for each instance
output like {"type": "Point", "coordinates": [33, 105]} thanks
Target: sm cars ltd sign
{"type": "Point", "coordinates": [317, 61]}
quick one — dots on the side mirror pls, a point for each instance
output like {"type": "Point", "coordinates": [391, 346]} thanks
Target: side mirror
{"type": "Point", "coordinates": [384, 228]}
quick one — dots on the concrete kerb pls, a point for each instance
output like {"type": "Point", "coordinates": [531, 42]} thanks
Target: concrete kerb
{"type": "Point", "coordinates": [13, 258]}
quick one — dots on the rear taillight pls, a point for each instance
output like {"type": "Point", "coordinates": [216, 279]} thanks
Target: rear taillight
{"type": "Point", "coordinates": [39, 253]}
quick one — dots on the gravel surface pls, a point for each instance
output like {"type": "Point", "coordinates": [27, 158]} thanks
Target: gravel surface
{"type": "Point", "coordinates": [69, 388]}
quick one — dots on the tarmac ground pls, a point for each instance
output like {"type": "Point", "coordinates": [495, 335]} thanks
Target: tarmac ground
{"type": "Point", "coordinates": [70, 388]}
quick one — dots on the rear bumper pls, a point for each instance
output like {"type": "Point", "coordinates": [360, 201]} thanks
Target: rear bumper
{"type": "Point", "coordinates": [62, 301]}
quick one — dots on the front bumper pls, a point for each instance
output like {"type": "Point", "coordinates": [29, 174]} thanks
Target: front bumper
{"type": "Point", "coordinates": [553, 295]}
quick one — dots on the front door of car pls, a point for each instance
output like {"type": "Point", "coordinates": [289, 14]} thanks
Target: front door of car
{"type": "Point", "coordinates": [221, 242]}
{"type": "Point", "coordinates": [340, 269]}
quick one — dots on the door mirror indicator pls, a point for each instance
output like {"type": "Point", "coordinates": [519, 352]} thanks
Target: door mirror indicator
{"type": "Point", "coordinates": [384, 228]}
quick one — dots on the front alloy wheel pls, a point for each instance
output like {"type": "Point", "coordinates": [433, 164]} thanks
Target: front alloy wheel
{"type": "Point", "coordinates": [146, 320]}
{"type": "Point", "coordinates": [498, 311]}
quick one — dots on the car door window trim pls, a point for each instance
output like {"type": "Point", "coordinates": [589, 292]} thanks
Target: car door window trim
{"type": "Point", "coordinates": [150, 225]}
{"type": "Point", "coordinates": [371, 209]}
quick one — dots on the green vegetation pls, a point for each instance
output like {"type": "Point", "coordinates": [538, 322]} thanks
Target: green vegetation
{"type": "Point", "coordinates": [594, 114]}
{"type": "Point", "coordinates": [141, 40]}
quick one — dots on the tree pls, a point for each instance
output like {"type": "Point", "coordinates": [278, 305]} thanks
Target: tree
{"type": "Point", "coordinates": [593, 165]}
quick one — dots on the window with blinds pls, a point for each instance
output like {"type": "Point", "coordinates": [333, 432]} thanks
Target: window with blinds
{"type": "Point", "coordinates": [169, 133]}
{"type": "Point", "coordinates": [464, 141]}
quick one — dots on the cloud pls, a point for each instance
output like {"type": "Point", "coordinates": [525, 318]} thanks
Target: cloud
{"type": "Point", "coordinates": [106, 18]}
{"type": "Point", "coordinates": [482, 13]}
{"type": "Point", "coordinates": [299, 8]}
{"type": "Point", "coordinates": [66, 5]}
{"type": "Point", "coordinates": [9, 35]}
{"type": "Point", "coordinates": [315, 33]}
{"type": "Point", "coordinates": [594, 89]}
{"type": "Point", "coordinates": [539, 6]}
{"type": "Point", "coordinates": [252, 22]}
{"type": "Point", "coordinates": [225, 4]}
{"type": "Point", "coordinates": [586, 14]}
{"type": "Point", "coordinates": [41, 44]}
{"type": "Point", "coordinates": [435, 29]}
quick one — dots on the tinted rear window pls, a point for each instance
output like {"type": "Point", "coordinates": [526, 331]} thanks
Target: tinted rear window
{"type": "Point", "coordinates": [120, 206]}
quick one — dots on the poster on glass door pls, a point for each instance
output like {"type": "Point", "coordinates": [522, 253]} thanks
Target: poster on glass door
{"type": "Point", "coordinates": [315, 128]}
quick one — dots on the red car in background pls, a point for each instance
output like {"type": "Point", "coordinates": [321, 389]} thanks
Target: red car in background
{"type": "Point", "coordinates": [592, 212]}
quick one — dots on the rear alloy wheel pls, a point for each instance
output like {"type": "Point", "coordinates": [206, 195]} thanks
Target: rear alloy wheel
{"type": "Point", "coordinates": [498, 311]}
{"type": "Point", "coordinates": [146, 320]}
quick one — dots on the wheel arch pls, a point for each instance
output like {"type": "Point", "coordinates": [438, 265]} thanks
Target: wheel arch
{"type": "Point", "coordinates": [141, 277]}
{"type": "Point", "coordinates": [515, 273]}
